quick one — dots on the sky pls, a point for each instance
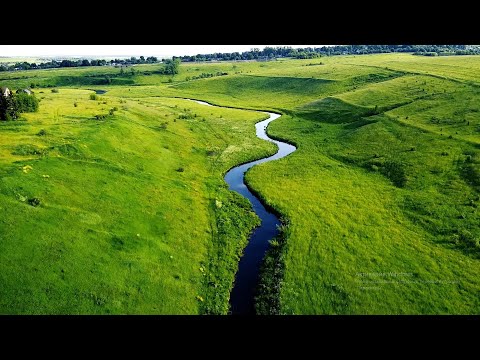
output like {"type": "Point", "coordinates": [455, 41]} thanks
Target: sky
{"type": "Point", "coordinates": [123, 50]}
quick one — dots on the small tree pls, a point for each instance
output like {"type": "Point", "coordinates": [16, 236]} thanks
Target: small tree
{"type": "Point", "coordinates": [25, 103]}
{"type": "Point", "coordinates": [8, 109]}
{"type": "Point", "coordinates": [172, 66]}
{"type": "Point", "coordinates": [13, 104]}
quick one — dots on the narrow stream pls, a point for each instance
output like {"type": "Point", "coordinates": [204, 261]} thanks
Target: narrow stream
{"type": "Point", "coordinates": [246, 279]}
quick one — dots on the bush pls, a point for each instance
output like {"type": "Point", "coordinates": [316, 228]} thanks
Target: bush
{"type": "Point", "coordinates": [26, 103]}
{"type": "Point", "coordinates": [54, 90]}
{"type": "Point", "coordinates": [42, 132]}
{"type": "Point", "coordinates": [28, 149]}
{"type": "Point", "coordinates": [180, 169]}
{"type": "Point", "coordinates": [93, 97]}
{"type": "Point", "coordinates": [465, 239]}
{"type": "Point", "coordinates": [34, 202]}
{"type": "Point", "coordinates": [395, 171]}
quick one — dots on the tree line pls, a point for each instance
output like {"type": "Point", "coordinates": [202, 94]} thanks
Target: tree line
{"type": "Point", "coordinates": [269, 53]}
{"type": "Point", "coordinates": [78, 63]}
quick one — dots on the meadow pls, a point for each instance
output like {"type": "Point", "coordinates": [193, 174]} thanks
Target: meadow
{"type": "Point", "coordinates": [379, 201]}
{"type": "Point", "coordinates": [132, 212]}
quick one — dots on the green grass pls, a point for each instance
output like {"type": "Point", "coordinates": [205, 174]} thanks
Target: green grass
{"type": "Point", "coordinates": [349, 215]}
{"type": "Point", "coordinates": [381, 196]}
{"type": "Point", "coordinates": [347, 218]}
{"type": "Point", "coordinates": [119, 229]}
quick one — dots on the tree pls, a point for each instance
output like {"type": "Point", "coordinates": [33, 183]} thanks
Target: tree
{"type": "Point", "coordinates": [66, 63]}
{"type": "Point", "coordinates": [25, 103]}
{"type": "Point", "coordinates": [7, 107]}
{"type": "Point", "coordinates": [13, 104]}
{"type": "Point", "coordinates": [172, 66]}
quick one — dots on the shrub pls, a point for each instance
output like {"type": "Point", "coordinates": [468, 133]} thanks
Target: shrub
{"type": "Point", "coordinates": [180, 169]}
{"type": "Point", "coordinates": [54, 90]}
{"type": "Point", "coordinates": [466, 239]}
{"type": "Point", "coordinates": [34, 201]}
{"type": "Point", "coordinates": [42, 132]}
{"type": "Point", "coordinates": [28, 149]}
{"type": "Point", "coordinates": [26, 103]}
{"type": "Point", "coordinates": [395, 171]}
{"type": "Point", "coordinates": [75, 104]}
{"type": "Point", "coordinates": [93, 97]}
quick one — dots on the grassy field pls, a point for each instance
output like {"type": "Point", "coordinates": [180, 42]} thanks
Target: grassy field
{"type": "Point", "coordinates": [381, 196]}
{"type": "Point", "coordinates": [128, 205]}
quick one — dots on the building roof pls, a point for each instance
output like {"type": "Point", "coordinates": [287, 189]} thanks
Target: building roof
{"type": "Point", "coordinates": [5, 90]}
{"type": "Point", "coordinates": [26, 91]}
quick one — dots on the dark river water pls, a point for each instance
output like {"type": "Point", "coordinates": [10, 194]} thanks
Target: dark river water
{"type": "Point", "coordinates": [246, 279]}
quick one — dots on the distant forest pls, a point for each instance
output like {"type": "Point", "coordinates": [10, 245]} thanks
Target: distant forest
{"type": "Point", "coordinates": [78, 63]}
{"type": "Point", "coordinates": [310, 52]}
{"type": "Point", "coordinates": [268, 53]}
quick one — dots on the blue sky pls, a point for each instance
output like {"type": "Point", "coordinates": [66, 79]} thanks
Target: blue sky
{"type": "Point", "coordinates": [123, 50]}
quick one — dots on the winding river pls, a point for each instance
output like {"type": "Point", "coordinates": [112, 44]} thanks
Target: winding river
{"type": "Point", "coordinates": [246, 279]}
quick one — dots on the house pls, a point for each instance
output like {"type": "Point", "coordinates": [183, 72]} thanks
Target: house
{"type": "Point", "coordinates": [5, 91]}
